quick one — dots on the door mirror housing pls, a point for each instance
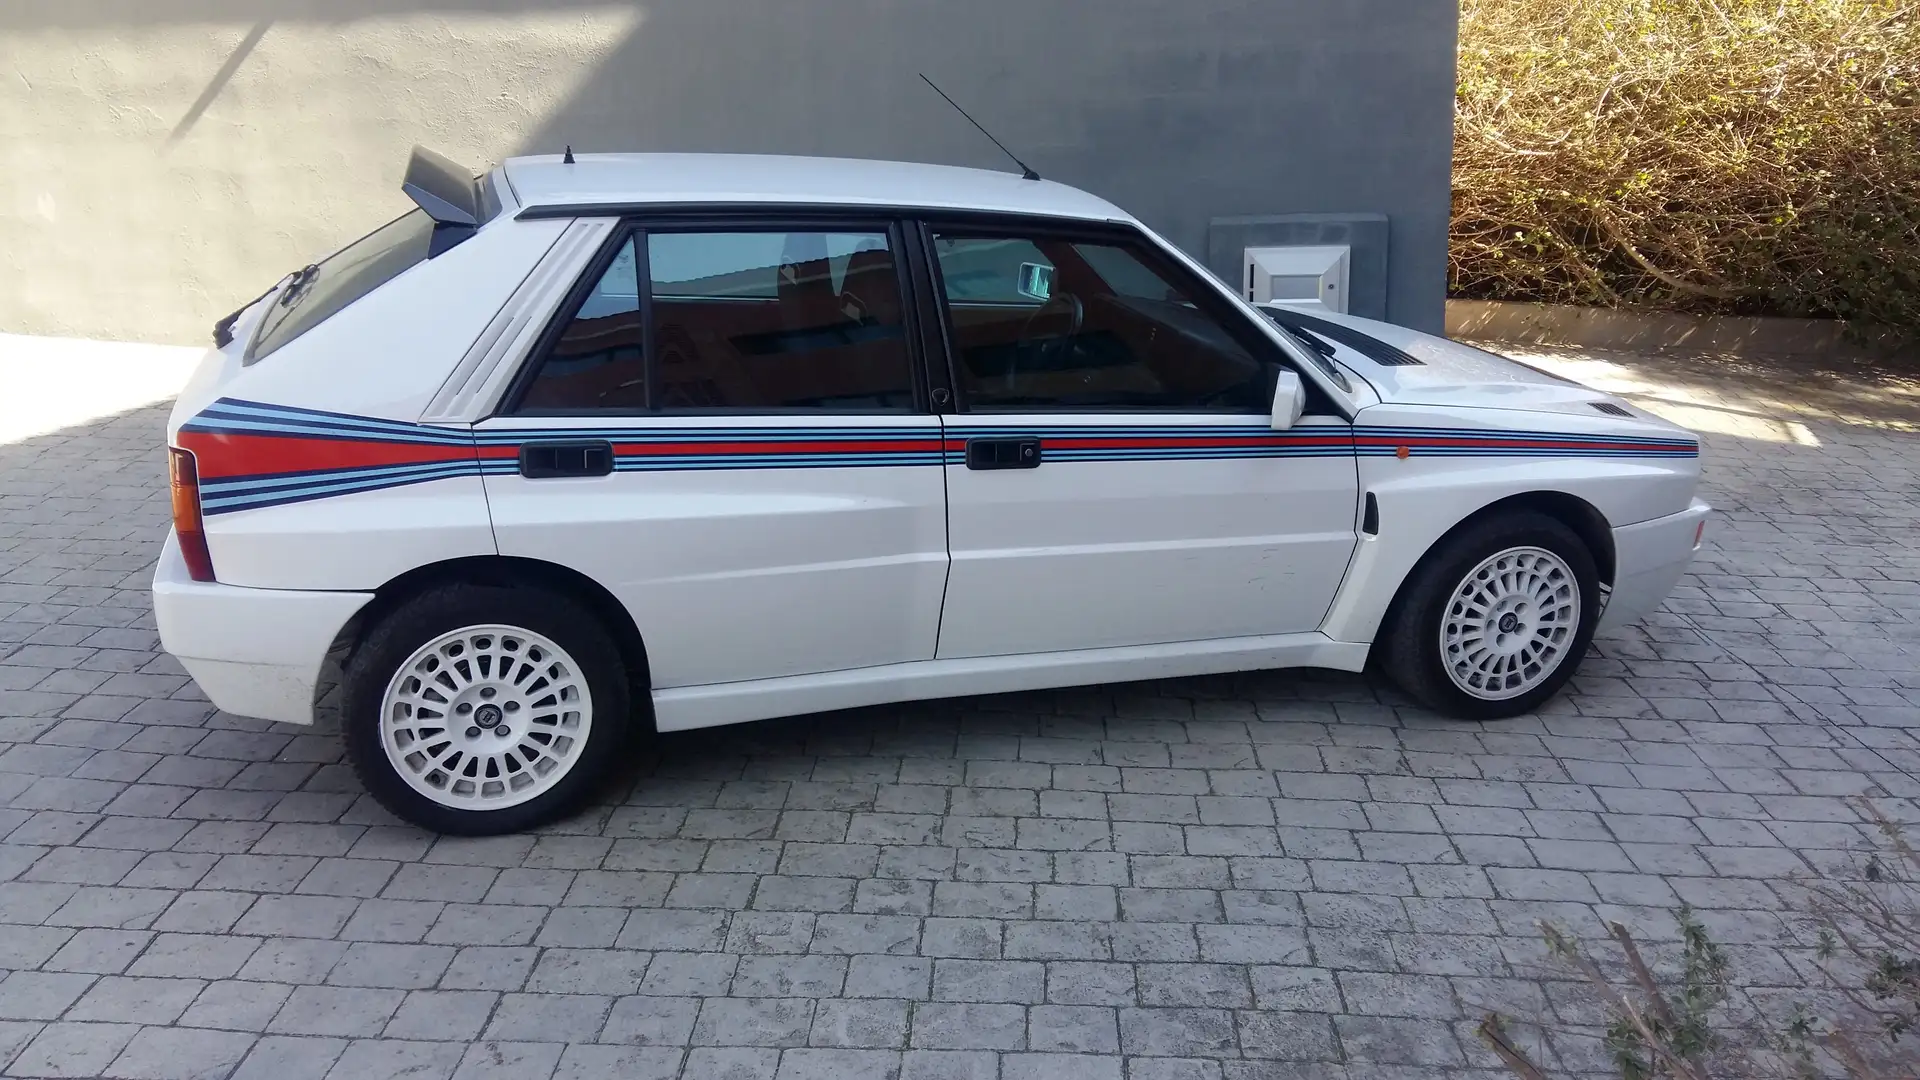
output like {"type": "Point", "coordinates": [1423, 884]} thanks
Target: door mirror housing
{"type": "Point", "coordinates": [1289, 399]}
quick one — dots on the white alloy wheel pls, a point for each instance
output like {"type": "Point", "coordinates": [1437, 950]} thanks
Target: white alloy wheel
{"type": "Point", "coordinates": [486, 717]}
{"type": "Point", "coordinates": [1507, 626]}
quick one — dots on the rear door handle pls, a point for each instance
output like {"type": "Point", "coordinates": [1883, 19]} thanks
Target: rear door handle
{"type": "Point", "coordinates": [566, 457]}
{"type": "Point", "coordinates": [1016, 453]}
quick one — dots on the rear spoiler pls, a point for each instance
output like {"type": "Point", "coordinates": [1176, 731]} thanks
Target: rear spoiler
{"type": "Point", "coordinates": [448, 193]}
{"type": "Point", "coordinates": [455, 200]}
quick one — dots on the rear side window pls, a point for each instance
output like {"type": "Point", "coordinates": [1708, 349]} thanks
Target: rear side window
{"type": "Point", "coordinates": [763, 319]}
{"type": "Point", "coordinates": [323, 289]}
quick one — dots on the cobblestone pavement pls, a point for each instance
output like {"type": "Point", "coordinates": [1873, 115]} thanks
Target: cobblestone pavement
{"type": "Point", "coordinates": [1236, 878]}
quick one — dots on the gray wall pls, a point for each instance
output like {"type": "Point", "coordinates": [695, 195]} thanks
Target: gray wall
{"type": "Point", "coordinates": [163, 160]}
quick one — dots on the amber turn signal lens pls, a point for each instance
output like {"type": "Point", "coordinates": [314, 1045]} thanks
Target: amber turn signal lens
{"type": "Point", "coordinates": [184, 479]}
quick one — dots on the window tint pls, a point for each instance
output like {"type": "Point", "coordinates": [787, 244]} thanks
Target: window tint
{"type": "Point", "coordinates": [598, 362]}
{"type": "Point", "coordinates": [1105, 326]}
{"type": "Point", "coordinates": [738, 320]}
{"type": "Point", "coordinates": [346, 276]}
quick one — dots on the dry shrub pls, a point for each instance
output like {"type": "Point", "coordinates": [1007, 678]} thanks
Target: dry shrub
{"type": "Point", "coordinates": [1864, 1023]}
{"type": "Point", "coordinates": [1732, 156]}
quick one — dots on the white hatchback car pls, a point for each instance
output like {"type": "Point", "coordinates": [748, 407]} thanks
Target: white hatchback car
{"type": "Point", "coordinates": [588, 448]}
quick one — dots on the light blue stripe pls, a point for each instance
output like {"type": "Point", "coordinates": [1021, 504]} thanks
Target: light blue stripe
{"type": "Point", "coordinates": [293, 480]}
{"type": "Point", "coordinates": [348, 435]}
{"type": "Point", "coordinates": [344, 487]}
{"type": "Point", "coordinates": [307, 420]}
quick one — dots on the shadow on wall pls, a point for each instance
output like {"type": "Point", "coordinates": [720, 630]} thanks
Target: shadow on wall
{"type": "Point", "coordinates": [1178, 112]}
{"type": "Point", "coordinates": [1236, 106]}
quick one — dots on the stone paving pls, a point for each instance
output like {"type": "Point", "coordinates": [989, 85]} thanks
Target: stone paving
{"type": "Point", "coordinates": [1239, 878]}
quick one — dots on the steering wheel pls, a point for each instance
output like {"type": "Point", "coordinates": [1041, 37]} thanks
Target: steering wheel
{"type": "Point", "coordinates": [1059, 304]}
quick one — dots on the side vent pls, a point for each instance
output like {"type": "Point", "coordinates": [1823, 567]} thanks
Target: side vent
{"type": "Point", "coordinates": [1609, 408]}
{"type": "Point", "coordinates": [1370, 520]}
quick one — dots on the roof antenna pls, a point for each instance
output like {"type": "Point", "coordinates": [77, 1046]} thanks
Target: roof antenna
{"type": "Point", "coordinates": [1025, 172]}
{"type": "Point", "coordinates": [568, 159]}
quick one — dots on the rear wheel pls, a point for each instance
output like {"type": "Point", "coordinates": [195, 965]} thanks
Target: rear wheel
{"type": "Point", "coordinates": [477, 710]}
{"type": "Point", "coordinates": [1495, 619]}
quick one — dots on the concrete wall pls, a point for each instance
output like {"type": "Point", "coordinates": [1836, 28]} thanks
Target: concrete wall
{"type": "Point", "coordinates": [162, 161]}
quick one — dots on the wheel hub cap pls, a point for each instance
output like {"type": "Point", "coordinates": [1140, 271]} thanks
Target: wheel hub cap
{"type": "Point", "coordinates": [1509, 624]}
{"type": "Point", "coordinates": [486, 717]}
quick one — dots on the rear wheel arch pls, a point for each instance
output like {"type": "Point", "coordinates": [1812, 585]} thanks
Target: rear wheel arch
{"type": "Point", "coordinates": [508, 572]}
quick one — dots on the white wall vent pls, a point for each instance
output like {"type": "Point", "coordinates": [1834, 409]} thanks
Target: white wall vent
{"type": "Point", "coordinates": [1310, 276]}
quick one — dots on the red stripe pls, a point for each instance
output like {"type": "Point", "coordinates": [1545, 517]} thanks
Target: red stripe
{"type": "Point", "coordinates": [1512, 444]}
{"type": "Point", "coordinates": [1180, 443]}
{"type": "Point", "coordinates": [873, 446]}
{"type": "Point", "coordinates": [220, 455]}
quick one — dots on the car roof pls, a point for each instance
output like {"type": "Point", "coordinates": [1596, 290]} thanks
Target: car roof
{"type": "Point", "coordinates": [621, 180]}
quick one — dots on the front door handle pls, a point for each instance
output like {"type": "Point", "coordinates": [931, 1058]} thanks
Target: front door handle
{"type": "Point", "coordinates": [1016, 453]}
{"type": "Point", "coordinates": [566, 457]}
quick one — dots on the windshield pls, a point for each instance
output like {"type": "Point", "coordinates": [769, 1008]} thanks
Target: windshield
{"type": "Point", "coordinates": [323, 289]}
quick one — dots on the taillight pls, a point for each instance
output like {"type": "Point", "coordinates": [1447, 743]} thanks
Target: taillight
{"type": "Point", "coordinates": [1699, 533]}
{"type": "Point", "coordinates": [187, 526]}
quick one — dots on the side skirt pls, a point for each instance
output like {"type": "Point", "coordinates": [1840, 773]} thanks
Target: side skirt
{"type": "Point", "coordinates": [684, 708]}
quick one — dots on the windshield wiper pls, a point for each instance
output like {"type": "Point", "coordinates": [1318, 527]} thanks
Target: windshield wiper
{"type": "Point", "coordinates": [297, 288]}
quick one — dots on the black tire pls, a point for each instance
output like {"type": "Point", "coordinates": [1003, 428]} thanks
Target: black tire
{"type": "Point", "coordinates": [1409, 641]}
{"type": "Point", "coordinates": [394, 638]}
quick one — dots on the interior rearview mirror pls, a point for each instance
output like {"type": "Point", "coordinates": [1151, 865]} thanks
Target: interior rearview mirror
{"type": "Point", "coordinates": [1289, 399]}
{"type": "Point", "coordinates": [1036, 281]}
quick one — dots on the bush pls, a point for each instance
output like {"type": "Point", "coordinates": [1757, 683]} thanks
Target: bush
{"type": "Point", "coordinates": [1730, 156]}
{"type": "Point", "coordinates": [1867, 956]}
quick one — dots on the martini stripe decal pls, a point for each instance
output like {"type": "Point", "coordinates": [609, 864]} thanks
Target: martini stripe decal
{"type": "Point", "coordinates": [253, 455]}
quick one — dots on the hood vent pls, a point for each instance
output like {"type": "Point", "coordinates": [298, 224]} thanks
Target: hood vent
{"type": "Point", "coordinates": [1370, 347]}
{"type": "Point", "coordinates": [1610, 409]}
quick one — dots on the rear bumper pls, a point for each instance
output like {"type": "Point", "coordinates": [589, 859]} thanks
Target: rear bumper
{"type": "Point", "coordinates": [1649, 559]}
{"type": "Point", "coordinates": [255, 652]}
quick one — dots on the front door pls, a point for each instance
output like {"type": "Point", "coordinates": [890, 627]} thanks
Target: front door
{"type": "Point", "coordinates": [1113, 478]}
{"type": "Point", "coordinates": [726, 433]}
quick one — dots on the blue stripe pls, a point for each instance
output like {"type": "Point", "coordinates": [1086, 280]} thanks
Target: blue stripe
{"type": "Point", "coordinates": [1483, 433]}
{"type": "Point", "coordinates": [256, 500]}
{"type": "Point", "coordinates": [289, 481]}
{"type": "Point", "coordinates": [245, 416]}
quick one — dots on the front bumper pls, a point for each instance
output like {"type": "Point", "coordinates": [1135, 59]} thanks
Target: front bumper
{"type": "Point", "coordinates": [1649, 559]}
{"type": "Point", "coordinates": [254, 652]}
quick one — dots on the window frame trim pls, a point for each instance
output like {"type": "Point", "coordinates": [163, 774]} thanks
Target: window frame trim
{"type": "Point", "coordinates": [638, 227]}
{"type": "Point", "coordinates": [1211, 302]}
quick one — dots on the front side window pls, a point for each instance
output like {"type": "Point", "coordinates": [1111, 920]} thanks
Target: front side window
{"type": "Point", "coordinates": [1055, 323]}
{"type": "Point", "coordinates": [736, 320]}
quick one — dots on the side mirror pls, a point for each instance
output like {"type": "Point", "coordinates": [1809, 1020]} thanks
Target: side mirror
{"type": "Point", "coordinates": [1289, 399]}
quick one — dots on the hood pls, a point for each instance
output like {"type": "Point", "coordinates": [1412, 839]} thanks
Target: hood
{"type": "Point", "coordinates": [1421, 369]}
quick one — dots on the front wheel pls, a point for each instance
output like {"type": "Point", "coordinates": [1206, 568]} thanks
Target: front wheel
{"type": "Point", "coordinates": [1496, 619]}
{"type": "Point", "coordinates": [476, 710]}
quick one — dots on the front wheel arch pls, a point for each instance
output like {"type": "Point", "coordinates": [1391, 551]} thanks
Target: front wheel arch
{"type": "Point", "coordinates": [1576, 513]}
{"type": "Point", "coordinates": [1403, 648]}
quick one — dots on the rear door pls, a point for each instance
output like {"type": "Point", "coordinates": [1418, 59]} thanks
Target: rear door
{"type": "Point", "coordinates": [1113, 478]}
{"type": "Point", "coordinates": [726, 429]}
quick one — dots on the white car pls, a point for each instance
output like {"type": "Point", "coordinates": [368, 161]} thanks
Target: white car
{"type": "Point", "coordinates": [589, 448]}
